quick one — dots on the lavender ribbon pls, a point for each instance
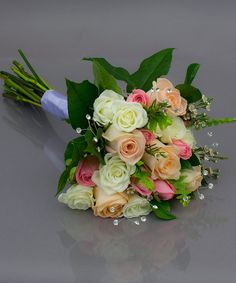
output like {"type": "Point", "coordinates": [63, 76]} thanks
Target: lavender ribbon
{"type": "Point", "coordinates": [55, 103]}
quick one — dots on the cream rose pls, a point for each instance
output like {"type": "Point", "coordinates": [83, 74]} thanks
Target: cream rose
{"type": "Point", "coordinates": [114, 176]}
{"type": "Point", "coordinates": [164, 166]}
{"type": "Point", "coordinates": [129, 146]}
{"type": "Point", "coordinates": [193, 177]}
{"type": "Point", "coordinates": [109, 205]}
{"type": "Point", "coordinates": [78, 197]}
{"type": "Point", "coordinates": [189, 139]}
{"type": "Point", "coordinates": [103, 113]}
{"type": "Point", "coordinates": [128, 116]}
{"type": "Point", "coordinates": [136, 207]}
{"type": "Point", "coordinates": [176, 131]}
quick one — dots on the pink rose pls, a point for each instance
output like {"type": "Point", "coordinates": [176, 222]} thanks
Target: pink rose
{"type": "Point", "coordinates": [164, 190]}
{"type": "Point", "coordinates": [140, 96]}
{"type": "Point", "coordinates": [140, 188]}
{"type": "Point", "coordinates": [85, 170]}
{"type": "Point", "coordinates": [185, 151]}
{"type": "Point", "coordinates": [149, 136]}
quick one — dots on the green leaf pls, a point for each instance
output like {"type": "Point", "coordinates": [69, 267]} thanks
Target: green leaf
{"type": "Point", "coordinates": [92, 146]}
{"type": "Point", "coordinates": [157, 116]}
{"type": "Point", "coordinates": [189, 92]}
{"type": "Point", "coordinates": [144, 178]}
{"type": "Point", "coordinates": [179, 185]}
{"type": "Point", "coordinates": [163, 120]}
{"type": "Point", "coordinates": [99, 133]}
{"type": "Point", "coordinates": [75, 151]}
{"type": "Point", "coordinates": [68, 153]}
{"type": "Point", "coordinates": [194, 160]}
{"type": "Point", "coordinates": [191, 73]}
{"type": "Point", "coordinates": [117, 72]}
{"type": "Point", "coordinates": [204, 182]}
{"type": "Point", "coordinates": [72, 175]}
{"type": "Point", "coordinates": [183, 195]}
{"type": "Point", "coordinates": [63, 180]}
{"type": "Point", "coordinates": [103, 80]}
{"type": "Point", "coordinates": [73, 154]}
{"type": "Point", "coordinates": [160, 119]}
{"type": "Point", "coordinates": [152, 68]}
{"type": "Point", "coordinates": [185, 164]}
{"type": "Point", "coordinates": [140, 163]}
{"type": "Point", "coordinates": [163, 210]}
{"type": "Point", "coordinates": [81, 97]}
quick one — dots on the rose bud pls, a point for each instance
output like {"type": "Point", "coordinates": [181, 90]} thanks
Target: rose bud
{"type": "Point", "coordinates": [85, 170]}
{"type": "Point", "coordinates": [164, 190]}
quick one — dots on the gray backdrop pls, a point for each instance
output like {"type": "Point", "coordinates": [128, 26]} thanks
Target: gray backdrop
{"type": "Point", "coordinates": [42, 240]}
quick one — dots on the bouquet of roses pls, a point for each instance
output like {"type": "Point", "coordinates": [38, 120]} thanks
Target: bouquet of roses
{"type": "Point", "coordinates": [135, 149]}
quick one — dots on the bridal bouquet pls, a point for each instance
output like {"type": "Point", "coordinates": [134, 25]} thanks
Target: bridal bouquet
{"type": "Point", "coordinates": [134, 150]}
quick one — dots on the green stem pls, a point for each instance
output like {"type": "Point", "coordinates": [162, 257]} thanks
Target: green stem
{"type": "Point", "coordinates": [31, 68]}
{"type": "Point", "coordinates": [47, 86]}
{"type": "Point", "coordinates": [216, 122]}
{"type": "Point", "coordinates": [21, 82]}
{"type": "Point", "coordinates": [27, 79]}
{"type": "Point", "coordinates": [31, 102]}
{"type": "Point", "coordinates": [19, 66]}
{"type": "Point", "coordinates": [21, 89]}
{"type": "Point", "coordinates": [17, 97]}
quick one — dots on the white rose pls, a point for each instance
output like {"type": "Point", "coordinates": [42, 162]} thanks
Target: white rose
{"type": "Point", "coordinates": [136, 207]}
{"type": "Point", "coordinates": [193, 178]}
{"type": "Point", "coordinates": [129, 116]}
{"type": "Point", "coordinates": [78, 197]}
{"type": "Point", "coordinates": [114, 176]}
{"type": "Point", "coordinates": [189, 139]}
{"type": "Point", "coordinates": [176, 130]}
{"type": "Point", "coordinates": [103, 113]}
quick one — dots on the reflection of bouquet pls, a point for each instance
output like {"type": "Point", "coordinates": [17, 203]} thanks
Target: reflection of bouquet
{"type": "Point", "coordinates": [133, 152]}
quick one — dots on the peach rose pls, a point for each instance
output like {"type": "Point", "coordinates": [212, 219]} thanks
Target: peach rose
{"type": "Point", "coordinates": [163, 90]}
{"type": "Point", "coordinates": [162, 84]}
{"type": "Point", "coordinates": [140, 96]}
{"type": "Point", "coordinates": [183, 107]}
{"type": "Point", "coordinates": [158, 91]}
{"type": "Point", "coordinates": [129, 146]}
{"type": "Point", "coordinates": [185, 151]}
{"type": "Point", "coordinates": [148, 135]}
{"type": "Point", "coordinates": [109, 205]}
{"type": "Point", "coordinates": [177, 103]}
{"type": "Point", "coordinates": [164, 190]}
{"type": "Point", "coordinates": [165, 166]}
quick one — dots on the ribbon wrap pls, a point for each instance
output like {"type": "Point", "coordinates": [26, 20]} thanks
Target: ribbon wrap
{"type": "Point", "coordinates": [55, 103]}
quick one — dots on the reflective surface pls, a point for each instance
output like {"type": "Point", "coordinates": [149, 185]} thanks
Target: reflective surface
{"type": "Point", "coordinates": [42, 240]}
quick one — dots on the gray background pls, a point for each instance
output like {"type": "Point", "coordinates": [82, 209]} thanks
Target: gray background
{"type": "Point", "coordinates": [42, 240]}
